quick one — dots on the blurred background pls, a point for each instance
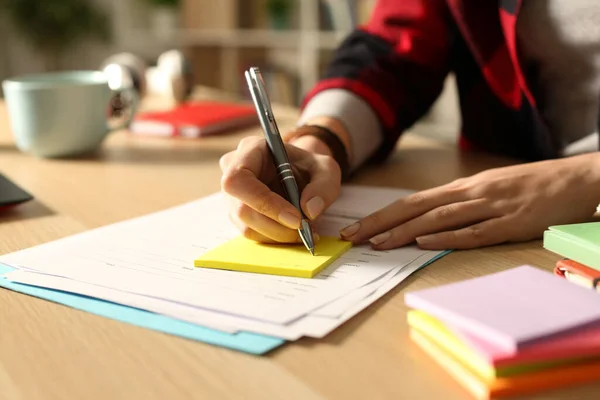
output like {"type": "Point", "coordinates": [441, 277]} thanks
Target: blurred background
{"type": "Point", "coordinates": [290, 40]}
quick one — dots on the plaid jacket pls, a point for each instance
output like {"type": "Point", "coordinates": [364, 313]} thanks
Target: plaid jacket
{"type": "Point", "coordinates": [398, 63]}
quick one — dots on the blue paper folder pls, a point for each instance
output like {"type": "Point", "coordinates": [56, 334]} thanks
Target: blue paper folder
{"type": "Point", "coordinates": [242, 341]}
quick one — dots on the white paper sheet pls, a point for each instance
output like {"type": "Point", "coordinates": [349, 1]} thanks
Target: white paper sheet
{"type": "Point", "coordinates": [320, 326]}
{"type": "Point", "coordinates": [147, 262]}
{"type": "Point", "coordinates": [359, 201]}
{"type": "Point", "coordinates": [154, 256]}
{"type": "Point", "coordinates": [315, 324]}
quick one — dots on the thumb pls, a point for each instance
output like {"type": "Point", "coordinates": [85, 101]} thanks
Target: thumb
{"type": "Point", "coordinates": [323, 188]}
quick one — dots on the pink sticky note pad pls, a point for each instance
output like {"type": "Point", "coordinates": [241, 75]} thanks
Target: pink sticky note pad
{"type": "Point", "coordinates": [513, 308]}
{"type": "Point", "coordinates": [583, 343]}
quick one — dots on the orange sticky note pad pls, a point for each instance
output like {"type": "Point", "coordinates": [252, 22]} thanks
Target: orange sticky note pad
{"type": "Point", "coordinates": [241, 254]}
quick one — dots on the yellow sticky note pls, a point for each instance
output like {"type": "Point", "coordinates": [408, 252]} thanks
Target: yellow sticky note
{"type": "Point", "coordinates": [437, 332]}
{"type": "Point", "coordinates": [241, 254]}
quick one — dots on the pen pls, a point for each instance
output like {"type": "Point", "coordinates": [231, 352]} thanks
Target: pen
{"type": "Point", "coordinates": [277, 149]}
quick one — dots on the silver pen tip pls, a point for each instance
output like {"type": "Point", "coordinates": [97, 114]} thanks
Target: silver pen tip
{"type": "Point", "coordinates": [306, 236]}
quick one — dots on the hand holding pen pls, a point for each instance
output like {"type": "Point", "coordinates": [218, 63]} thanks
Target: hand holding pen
{"type": "Point", "coordinates": [278, 152]}
{"type": "Point", "coordinates": [258, 204]}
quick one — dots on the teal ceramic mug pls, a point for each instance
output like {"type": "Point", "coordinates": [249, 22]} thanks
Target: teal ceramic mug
{"type": "Point", "coordinates": [62, 114]}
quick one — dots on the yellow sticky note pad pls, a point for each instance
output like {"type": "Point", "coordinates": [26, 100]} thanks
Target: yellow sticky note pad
{"type": "Point", "coordinates": [241, 254]}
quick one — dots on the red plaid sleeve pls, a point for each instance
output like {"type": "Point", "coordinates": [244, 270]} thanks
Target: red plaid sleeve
{"type": "Point", "coordinates": [397, 63]}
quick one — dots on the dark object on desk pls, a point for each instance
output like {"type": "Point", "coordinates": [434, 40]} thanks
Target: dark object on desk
{"type": "Point", "coordinates": [11, 194]}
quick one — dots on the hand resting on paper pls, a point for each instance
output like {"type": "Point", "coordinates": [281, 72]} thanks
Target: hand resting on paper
{"type": "Point", "coordinates": [257, 204]}
{"type": "Point", "coordinates": [510, 204]}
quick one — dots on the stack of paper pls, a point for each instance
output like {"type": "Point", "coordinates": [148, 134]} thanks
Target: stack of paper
{"type": "Point", "coordinates": [580, 245]}
{"type": "Point", "coordinates": [512, 332]}
{"type": "Point", "coordinates": [147, 263]}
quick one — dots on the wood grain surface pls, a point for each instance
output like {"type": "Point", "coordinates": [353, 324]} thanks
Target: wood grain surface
{"type": "Point", "coordinates": [49, 351]}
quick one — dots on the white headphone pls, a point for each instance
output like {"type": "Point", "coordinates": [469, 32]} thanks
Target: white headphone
{"type": "Point", "coordinates": [171, 77]}
{"type": "Point", "coordinates": [176, 69]}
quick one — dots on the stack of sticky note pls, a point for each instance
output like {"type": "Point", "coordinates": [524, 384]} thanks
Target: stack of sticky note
{"type": "Point", "coordinates": [579, 244]}
{"type": "Point", "coordinates": [518, 331]}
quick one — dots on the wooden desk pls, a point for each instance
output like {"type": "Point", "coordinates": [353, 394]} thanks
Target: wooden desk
{"type": "Point", "coordinates": [49, 351]}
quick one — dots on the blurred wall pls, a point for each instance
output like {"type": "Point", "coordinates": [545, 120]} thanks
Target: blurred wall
{"type": "Point", "coordinates": [130, 19]}
{"type": "Point", "coordinates": [18, 57]}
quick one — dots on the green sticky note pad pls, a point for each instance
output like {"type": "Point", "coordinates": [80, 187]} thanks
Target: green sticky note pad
{"type": "Point", "coordinates": [579, 242]}
{"type": "Point", "coordinates": [241, 254]}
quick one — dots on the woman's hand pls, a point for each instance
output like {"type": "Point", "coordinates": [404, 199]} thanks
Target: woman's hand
{"type": "Point", "coordinates": [509, 204]}
{"type": "Point", "coordinates": [257, 204]}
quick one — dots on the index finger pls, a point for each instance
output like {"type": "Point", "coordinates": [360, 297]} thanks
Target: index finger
{"type": "Point", "coordinates": [241, 180]}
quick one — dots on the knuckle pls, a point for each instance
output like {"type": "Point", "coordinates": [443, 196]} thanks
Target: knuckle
{"type": "Point", "coordinates": [460, 182]}
{"type": "Point", "coordinates": [243, 212]}
{"type": "Point", "coordinates": [460, 190]}
{"type": "Point", "coordinates": [527, 209]}
{"type": "Point", "coordinates": [445, 212]}
{"type": "Point", "coordinates": [331, 163]}
{"type": "Point", "coordinates": [478, 191]}
{"type": "Point", "coordinates": [491, 188]}
{"type": "Point", "coordinates": [476, 233]}
{"type": "Point", "coordinates": [334, 172]}
{"type": "Point", "coordinates": [247, 232]}
{"type": "Point", "coordinates": [416, 199]}
{"type": "Point", "coordinates": [247, 141]}
{"type": "Point", "coordinates": [451, 236]}
{"type": "Point", "coordinates": [223, 162]}
{"type": "Point", "coordinates": [265, 204]}
{"type": "Point", "coordinates": [374, 219]}
{"type": "Point", "coordinates": [464, 183]}
{"type": "Point", "coordinates": [228, 180]}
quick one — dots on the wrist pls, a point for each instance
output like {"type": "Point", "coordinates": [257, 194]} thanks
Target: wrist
{"type": "Point", "coordinates": [586, 168]}
{"type": "Point", "coordinates": [336, 127]}
{"type": "Point", "coordinates": [311, 144]}
{"type": "Point", "coordinates": [321, 140]}
{"type": "Point", "coordinates": [595, 172]}
{"type": "Point", "coordinates": [332, 125]}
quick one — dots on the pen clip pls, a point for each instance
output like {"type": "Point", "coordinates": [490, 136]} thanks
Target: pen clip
{"type": "Point", "coordinates": [261, 100]}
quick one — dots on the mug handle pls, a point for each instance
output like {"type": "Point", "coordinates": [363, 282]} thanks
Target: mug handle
{"type": "Point", "coordinates": [131, 106]}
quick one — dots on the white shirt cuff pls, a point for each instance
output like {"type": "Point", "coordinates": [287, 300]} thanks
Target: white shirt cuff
{"type": "Point", "coordinates": [355, 114]}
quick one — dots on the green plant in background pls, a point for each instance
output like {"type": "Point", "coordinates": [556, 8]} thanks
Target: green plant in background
{"type": "Point", "coordinates": [279, 12]}
{"type": "Point", "coordinates": [54, 26]}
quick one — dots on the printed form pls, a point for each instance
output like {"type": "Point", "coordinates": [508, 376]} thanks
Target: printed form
{"type": "Point", "coordinates": [147, 262]}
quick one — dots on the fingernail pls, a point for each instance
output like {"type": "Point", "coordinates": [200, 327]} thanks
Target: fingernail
{"type": "Point", "coordinates": [425, 239]}
{"type": "Point", "coordinates": [381, 238]}
{"type": "Point", "coordinates": [314, 207]}
{"type": "Point", "coordinates": [289, 220]}
{"type": "Point", "coordinates": [350, 230]}
{"type": "Point", "coordinates": [316, 237]}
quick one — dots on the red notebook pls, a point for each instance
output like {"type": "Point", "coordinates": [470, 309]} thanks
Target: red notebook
{"type": "Point", "coordinates": [194, 119]}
